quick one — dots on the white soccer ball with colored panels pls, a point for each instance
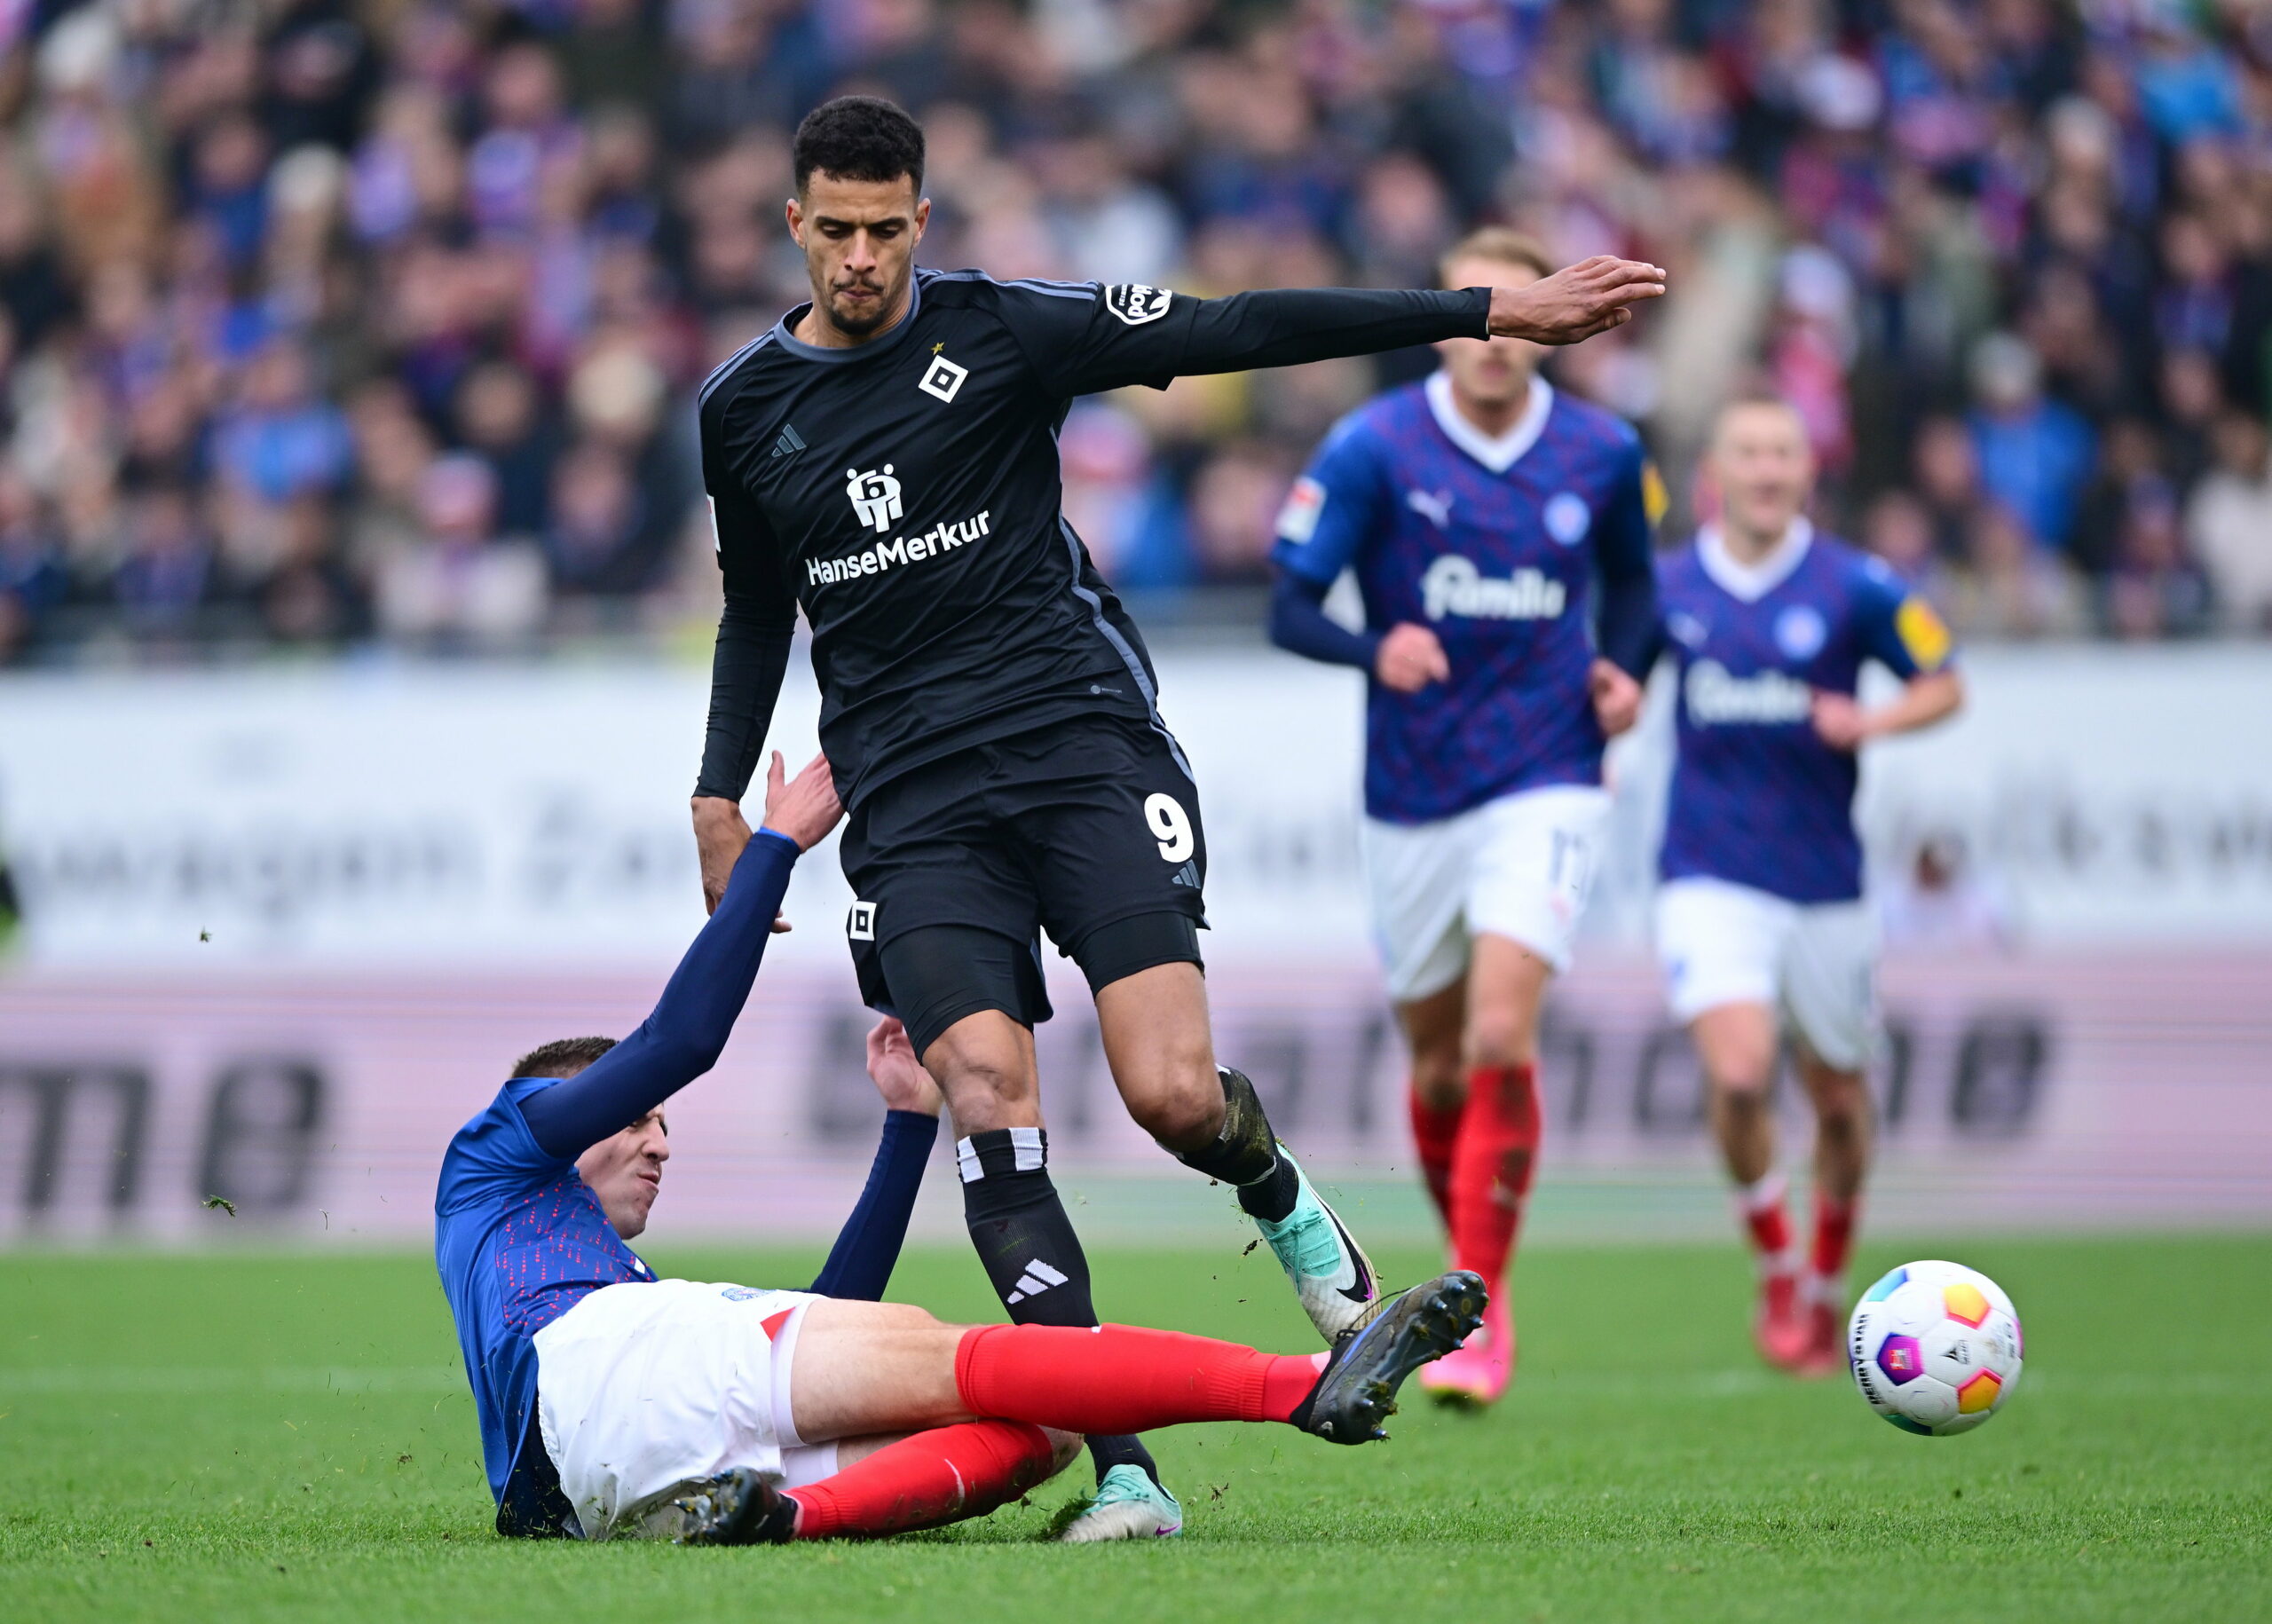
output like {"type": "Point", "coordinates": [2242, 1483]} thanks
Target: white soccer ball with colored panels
{"type": "Point", "coordinates": [1935, 1348]}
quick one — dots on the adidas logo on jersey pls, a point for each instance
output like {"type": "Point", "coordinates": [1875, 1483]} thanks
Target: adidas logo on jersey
{"type": "Point", "coordinates": [1454, 586]}
{"type": "Point", "coordinates": [1717, 695]}
{"type": "Point", "coordinates": [1187, 875]}
{"type": "Point", "coordinates": [1036, 1278]}
{"type": "Point", "coordinates": [789, 443]}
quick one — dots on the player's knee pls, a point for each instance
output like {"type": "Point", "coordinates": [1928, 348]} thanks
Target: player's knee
{"type": "Point", "coordinates": [983, 1091]}
{"type": "Point", "coordinates": [1064, 1449]}
{"type": "Point", "coordinates": [1439, 1077]}
{"type": "Point", "coordinates": [1501, 1036]}
{"type": "Point", "coordinates": [1742, 1081]}
{"type": "Point", "coordinates": [1181, 1107]}
{"type": "Point", "coordinates": [1842, 1103]}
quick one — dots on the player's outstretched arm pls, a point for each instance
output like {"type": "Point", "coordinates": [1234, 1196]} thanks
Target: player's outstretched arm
{"type": "Point", "coordinates": [1576, 301]}
{"type": "Point", "coordinates": [1125, 335]}
{"type": "Point", "coordinates": [867, 1248]}
{"type": "Point", "coordinates": [688, 1029]}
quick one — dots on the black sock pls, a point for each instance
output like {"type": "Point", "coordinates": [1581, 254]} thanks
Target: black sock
{"type": "Point", "coordinates": [1245, 1154]}
{"type": "Point", "coordinates": [1028, 1248]}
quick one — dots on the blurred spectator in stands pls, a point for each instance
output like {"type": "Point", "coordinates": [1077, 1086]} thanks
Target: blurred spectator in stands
{"type": "Point", "coordinates": [2230, 524]}
{"type": "Point", "coordinates": [2130, 458]}
{"type": "Point", "coordinates": [309, 597]}
{"type": "Point", "coordinates": [1942, 900]}
{"type": "Point", "coordinates": [1899, 528]}
{"type": "Point", "coordinates": [1235, 503]}
{"type": "Point", "coordinates": [1946, 473]}
{"type": "Point", "coordinates": [2013, 587]}
{"type": "Point", "coordinates": [466, 589]}
{"type": "Point", "coordinates": [32, 578]}
{"type": "Point", "coordinates": [166, 576]}
{"type": "Point", "coordinates": [500, 418]}
{"type": "Point", "coordinates": [2155, 589]}
{"type": "Point", "coordinates": [2034, 453]}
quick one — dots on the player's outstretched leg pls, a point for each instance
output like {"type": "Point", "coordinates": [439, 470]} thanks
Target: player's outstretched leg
{"type": "Point", "coordinates": [1161, 1054]}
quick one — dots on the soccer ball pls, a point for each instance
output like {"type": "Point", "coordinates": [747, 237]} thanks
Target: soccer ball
{"type": "Point", "coordinates": [1935, 1348]}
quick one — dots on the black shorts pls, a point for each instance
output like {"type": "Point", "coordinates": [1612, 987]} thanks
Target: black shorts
{"type": "Point", "coordinates": [1088, 829]}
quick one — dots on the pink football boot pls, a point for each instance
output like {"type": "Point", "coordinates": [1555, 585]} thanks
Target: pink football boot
{"type": "Point", "coordinates": [1477, 1372]}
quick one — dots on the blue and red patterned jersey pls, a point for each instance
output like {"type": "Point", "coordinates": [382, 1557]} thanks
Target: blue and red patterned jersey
{"type": "Point", "coordinates": [1757, 797]}
{"type": "Point", "coordinates": [520, 1239]}
{"type": "Point", "coordinates": [1495, 545]}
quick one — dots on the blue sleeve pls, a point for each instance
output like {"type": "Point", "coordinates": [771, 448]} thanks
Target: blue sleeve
{"type": "Point", "coordinates": [1299, 625]}
{"type": "Point", "coordinates": [682, 1039]}
{"type": "Point", "coordinates": [1629, 629]}
{"type": "Point", "coordinates": [1334, 508]}
{"type": "Point", "coordinates": [859, 1265]}
{"type": "Point", "coordinates": [1895, 626]}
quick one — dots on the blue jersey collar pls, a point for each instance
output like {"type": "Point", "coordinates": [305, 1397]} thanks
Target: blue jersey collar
{"type": "Point", "coordinates": [1750, 582]}
{"type": "Point", "coordinates": [1497, 452]}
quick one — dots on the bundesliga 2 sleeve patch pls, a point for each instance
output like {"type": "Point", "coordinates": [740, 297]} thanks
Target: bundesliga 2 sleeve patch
{"type": "Point", "coordinates": [1135, 303]}
{"type": "Point", "coordinates": [1297, 519]}
{"type": "Point", "coordinates": [1922, 633]}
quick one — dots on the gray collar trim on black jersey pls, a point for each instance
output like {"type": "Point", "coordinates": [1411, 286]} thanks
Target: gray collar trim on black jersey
{"type": "Point", "coordinates": [1750, 582]}
{"type": "Point", "coordinates": [836, 355]}
{"type": "Point", "coordinates": [1497, 452]}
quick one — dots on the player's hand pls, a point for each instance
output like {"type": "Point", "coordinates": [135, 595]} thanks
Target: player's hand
{"type": "Point", "coordinates": [1616, 696]}
{"type": "Point", "coordinates": [804, 807]}
{"type": "Point", "coordinates": [898, 1076]}
{"type": "Point", "coordinates": [1839, 722]}
{"type": "Point", "coordinates": [1409, 659]}
{"type": "Point", "coordinates": [720, 833]}
{"type": "Point", "coordinates": [1575, 303]}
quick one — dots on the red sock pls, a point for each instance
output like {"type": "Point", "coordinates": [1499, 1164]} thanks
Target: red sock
{"type": "Point", "coordinates": [1766, 1220]}
{"type": "Point", "coordinates": [1435, 1130]}
{"type": "Point", "coordinates": [936, 1477]}
{"type": "Point", "coordinates": [1122, 1378]}
{"type": "Point", "coordinates": [1833, 1236]}
{"type": "Point", "coordinates": [1492, 1167]}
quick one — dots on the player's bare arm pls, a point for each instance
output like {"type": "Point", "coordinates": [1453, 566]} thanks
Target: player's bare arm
{"type": "Point", "coordinates": [1844, 723]}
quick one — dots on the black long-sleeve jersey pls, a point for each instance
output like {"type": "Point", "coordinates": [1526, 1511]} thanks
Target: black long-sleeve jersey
{"type": "Point", "coordinates": [905, 491]}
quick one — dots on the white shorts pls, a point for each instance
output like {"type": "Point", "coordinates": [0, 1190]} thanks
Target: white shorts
{"type": "Point", "coordinates": [1816, 962]}
{"type": "Point", "coordinates": [1518, 867]}
{"type": "Point", "coordinates": [645, 1386]}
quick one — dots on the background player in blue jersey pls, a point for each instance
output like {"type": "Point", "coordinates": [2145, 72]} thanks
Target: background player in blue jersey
{"type": "Point", "coordinates": [612, 1403]}
{"type": "Point", "coordinates": [1499, 536]}
{"type": "Point", "coordinates": [1761, 922]}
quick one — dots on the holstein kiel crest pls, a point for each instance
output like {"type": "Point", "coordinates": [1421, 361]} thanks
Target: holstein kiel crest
{"type": "Point", "coordinates": [875, 497]}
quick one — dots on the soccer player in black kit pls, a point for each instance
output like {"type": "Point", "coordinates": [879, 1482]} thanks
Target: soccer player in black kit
{"type": "Point", "coordinates": [886, 458]}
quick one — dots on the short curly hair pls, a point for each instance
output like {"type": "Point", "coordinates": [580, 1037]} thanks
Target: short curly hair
{"type": "Point", "coordinates": [858, 137]}
{"type": "Point", "coordinates": [562, 1057]}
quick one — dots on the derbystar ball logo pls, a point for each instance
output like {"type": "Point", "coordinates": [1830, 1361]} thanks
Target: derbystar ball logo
{"type": "Point", "coordinates": [875, 497]}
{"type": "Point", "coordinates": [1454, 586]}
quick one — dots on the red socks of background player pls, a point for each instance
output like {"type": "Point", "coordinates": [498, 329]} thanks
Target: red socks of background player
{"type": "Point", "coordinates": [1435, 1133]}
{"type": "Point", "coordinates": [1834, 1241]}
{"type": "Point", "coordinates": [1124, 1378]}
{"type": "Point", "coordinates": [1766, 1220]}
{"type": "Point", "coordinates": [1493, 1162]}
{"type": "Point", "coordinates": [936, 1477]}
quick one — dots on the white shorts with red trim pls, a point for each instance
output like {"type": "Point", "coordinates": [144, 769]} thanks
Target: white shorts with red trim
{"type": "Point", "coordinates": [647, 1386]}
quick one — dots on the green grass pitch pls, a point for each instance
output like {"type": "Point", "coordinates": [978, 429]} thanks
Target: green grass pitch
{"type": "Point", "coordinates": [288, 1437]}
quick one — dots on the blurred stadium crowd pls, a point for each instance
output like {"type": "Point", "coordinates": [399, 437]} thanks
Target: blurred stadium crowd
{"type": "Point", "coordinates": [326, 323]}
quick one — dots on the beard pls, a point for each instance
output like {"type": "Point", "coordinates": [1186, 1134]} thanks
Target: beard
{"type": "Point", "coordinates": [859, 322]}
